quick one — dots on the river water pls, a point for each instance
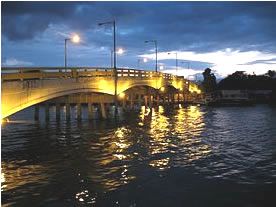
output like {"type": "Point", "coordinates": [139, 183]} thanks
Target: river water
{"type": "Point", "coordinates": [184, 156]}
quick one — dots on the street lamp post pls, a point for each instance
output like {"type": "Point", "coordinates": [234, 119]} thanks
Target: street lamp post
{"type": "Point", "coordinates": [65, 52]}
{"type": "Point", "coordinates": [156, 51]}
{"type": "Point", "coordinates": [176, 62]}
{"type": "Point", "coordinates": [113, 23]}
{"type": "Point", "coordinates": [74, 39]}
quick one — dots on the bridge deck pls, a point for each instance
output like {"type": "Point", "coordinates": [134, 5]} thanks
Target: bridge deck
{"type": "Point", "coordinates": [24, 87]}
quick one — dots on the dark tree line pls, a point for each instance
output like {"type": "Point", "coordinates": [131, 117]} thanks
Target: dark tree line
{"type": "Point", "coordinates": [241, 81]}
{"type": "Point", "coordinates": [209, 83]}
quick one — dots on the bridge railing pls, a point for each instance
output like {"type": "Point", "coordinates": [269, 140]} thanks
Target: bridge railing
{"type": "Point", "coordinates": [30, 73]}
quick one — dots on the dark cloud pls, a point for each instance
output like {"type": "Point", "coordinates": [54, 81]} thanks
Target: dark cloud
{"type": "Point", "coordinates": [184, 26]}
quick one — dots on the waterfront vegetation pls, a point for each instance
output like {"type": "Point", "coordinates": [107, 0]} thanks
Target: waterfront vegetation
{"type": "Point", "coordinates": [239, 80]}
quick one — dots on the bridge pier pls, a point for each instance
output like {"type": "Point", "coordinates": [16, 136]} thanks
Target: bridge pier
{"type": "Point", "coordinates": [47, 112]}
{"type": "Point", "coordinates": [173, 98]}
{"type": "Point", "coordinates": [131, 101]}
{"type": "Point", "coordinates": [103, 111]}
{"type": "Point", "coordinates": [146, 100]}
{"type": "Point", "coordinates": [68, 111]}
{"type": "Point", "coordinates": [90, 111]}
{"type": "Point", "coordinates": [158, 100]}
{"type": "Point", "coordinates": [36, 112]}
{"type": "Point", "coordinates": [124, 103]}
{"type": "Point", "coordinates": [79, 111]}
{"type": "Point", "coordinates": [58, 111]}
{"type": "Point", "coordinates": [139, 100]}
{"type": "Point", "coordinates": [150, 101]}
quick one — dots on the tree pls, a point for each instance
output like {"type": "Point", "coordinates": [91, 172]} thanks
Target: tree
{"type": "Point", "coordinates": [271, 73]}
{"type": "Point", "coordinates": [242, 81]}
{"type": "Point", "coordinates": [209, 83]}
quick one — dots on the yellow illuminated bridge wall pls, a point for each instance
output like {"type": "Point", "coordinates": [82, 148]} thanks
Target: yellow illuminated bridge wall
{"type": "Point", "coordinates": [24, 87]}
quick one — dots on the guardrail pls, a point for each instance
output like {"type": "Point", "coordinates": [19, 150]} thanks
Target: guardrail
{"type": "Point", "coordinates": [30, 73]}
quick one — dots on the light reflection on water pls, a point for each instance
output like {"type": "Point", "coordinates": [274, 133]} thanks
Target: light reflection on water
{"type": "Point", "coordinates": [96, 162]}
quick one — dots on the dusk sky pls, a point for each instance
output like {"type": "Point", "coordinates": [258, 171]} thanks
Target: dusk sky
{"type": "Point", "coordinates": [225, 36]}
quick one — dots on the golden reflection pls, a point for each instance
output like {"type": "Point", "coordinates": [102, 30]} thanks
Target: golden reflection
{"type": "Point", "coordinates": [189, 126]}
{"type": "Point", "coordinates": [21, 175]}
{"type": "Point", "coordinates": [85, 197]}
{"type": "Point", "coordinates": [3, 180]}
{"type": "Point", "coordinates": [159, 131]}
{"type": "Point", "coordinates": [145, 112]}
{"type": "Point", "coordinates": [161, 164]}
{"type": "Point", "coordinates": [159, 141]}
{"type": "Point", "coordinates": [115, 153]}
{"type": "Point", "coordinates": [177, 136]}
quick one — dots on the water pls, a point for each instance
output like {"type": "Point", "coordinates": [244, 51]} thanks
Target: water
{"type": "Point", "coordinates": [189, 156]}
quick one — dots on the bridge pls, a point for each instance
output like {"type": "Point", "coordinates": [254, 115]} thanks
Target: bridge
{"type": "Point", "coordinates": [24, 87]}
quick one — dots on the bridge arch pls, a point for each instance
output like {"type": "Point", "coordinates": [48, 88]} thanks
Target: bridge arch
{"type": "Point", "coordinates": [21, 90]}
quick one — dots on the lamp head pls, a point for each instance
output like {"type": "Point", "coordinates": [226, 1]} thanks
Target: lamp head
{"type": "Point", "coordinates": [120, 51]}
{"type": "Point", "coordinates": [76, 39]}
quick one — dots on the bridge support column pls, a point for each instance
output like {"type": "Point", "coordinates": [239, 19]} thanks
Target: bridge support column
{"type": "Point", "coordinates": [36, 112]}
{"type": "Point", "coordinates": [139, 100]}
{"type": "Point", "coordinates": [146, 100]}
{"type": "Point", "coordinates": [47, 112]}
{"type": "Point", "coordinates": [157, 100]}
{"type": "Point", "coordinates": [90, 111]}
{"type": "Point", "coordinates": [167, 99]}
{"type": "Point", "coordinates": [68, 111]}
{"type": "Point", "coordinates": [172, 98]}
{"type": "Point", "coordinates": [103, 112]}
{"type": "Point", "coordinates": [124, 103]}
{"type": "Point", "coordinates": [107, 107]}
{"type": "Point", "coordinates": [57, 111]}
{"type": "Point", "coordinates": [131, 101]}
{"type": "Point", "coordinates": [79, 111]}
{"type": "Point", "coordinates": [150, 101]}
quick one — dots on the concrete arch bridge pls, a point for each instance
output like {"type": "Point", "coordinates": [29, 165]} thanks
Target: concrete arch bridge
{"type": "Point", "coordinates": [23, 87]}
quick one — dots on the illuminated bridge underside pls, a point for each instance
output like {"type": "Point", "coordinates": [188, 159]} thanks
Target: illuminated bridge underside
{"type": "Point", "coordinates": [23, 89]}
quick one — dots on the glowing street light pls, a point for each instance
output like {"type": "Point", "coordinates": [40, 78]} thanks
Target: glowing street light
{"type": "Point", "coordinates": [161, 67]}
{"type": "Point", "coordinates": [74, 39]}
{"type": "Point", "coordinates": [120, 51]}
